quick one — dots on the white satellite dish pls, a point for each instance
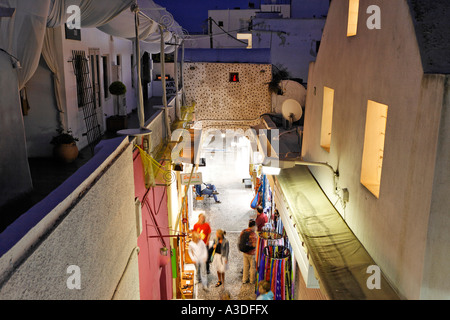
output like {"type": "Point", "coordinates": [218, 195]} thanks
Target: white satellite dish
{"type": "Point", "coordinates": [291, 110]}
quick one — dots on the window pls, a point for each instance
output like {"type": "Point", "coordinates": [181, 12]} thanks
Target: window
{"type": "Point", "coordinates": [353, 10]}
{"type": "Point", "coordinates": [373, 153]}
{"type": "Point", "coordinates": [105, 63]}
{"type": "Point", "coordinates": [234, 77]}
{"type": "Point", "coordinates": [327, 118]}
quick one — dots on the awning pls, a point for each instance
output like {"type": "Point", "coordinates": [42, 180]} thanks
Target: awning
{"type": "Point", "coordinates": [339, 259]}
{"type": "Point", "coordinates": [151, 17]}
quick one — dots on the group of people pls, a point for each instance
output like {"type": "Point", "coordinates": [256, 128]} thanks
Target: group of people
{"type": "Point", "coordinates": [202, 254]}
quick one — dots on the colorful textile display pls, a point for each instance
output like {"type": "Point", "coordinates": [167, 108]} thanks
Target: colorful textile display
{"type": "Point", "coordinates": [276, 267]}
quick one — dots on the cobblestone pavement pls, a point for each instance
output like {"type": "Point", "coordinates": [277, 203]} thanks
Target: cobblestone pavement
{"type": "Point", "coordinates": [226, 169]}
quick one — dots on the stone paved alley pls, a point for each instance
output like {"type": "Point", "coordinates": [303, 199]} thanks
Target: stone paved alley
{"type": "Point", "coordinates": [226, 167]}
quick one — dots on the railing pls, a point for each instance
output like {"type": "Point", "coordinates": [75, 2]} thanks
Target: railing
{"type": "Point", "coordinates": [276, 2]}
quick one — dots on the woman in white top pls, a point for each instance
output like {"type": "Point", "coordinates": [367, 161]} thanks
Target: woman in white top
{"type": "Point", "coordinates": [199, 254]}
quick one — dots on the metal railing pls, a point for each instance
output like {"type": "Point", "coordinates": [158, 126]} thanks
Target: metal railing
{"type": "Point", "coordinates": [276, 2]}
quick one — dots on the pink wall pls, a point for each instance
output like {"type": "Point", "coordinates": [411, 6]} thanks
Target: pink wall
{"type": "Point", "coordinates": [155, 280]}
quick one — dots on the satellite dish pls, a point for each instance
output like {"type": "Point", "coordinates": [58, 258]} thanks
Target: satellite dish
{"type": "Point", "coordinates": [291, 110]}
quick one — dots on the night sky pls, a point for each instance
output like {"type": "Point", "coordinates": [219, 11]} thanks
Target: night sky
{"type": "Point", "coordinates": [191, 14]}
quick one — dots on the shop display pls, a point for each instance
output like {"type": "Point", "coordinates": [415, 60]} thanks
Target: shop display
{"type": "Point", "coordinates": [275, 266]}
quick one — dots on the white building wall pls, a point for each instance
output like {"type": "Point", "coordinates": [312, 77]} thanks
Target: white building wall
{"type": "Point", "coordinates": [41, 123]}
{"type": "Point", "coordinates": [233, 21]}
{"type": "Point", "coordinates": [436, 282]}
{"type": "Point", "coordinates": [95, 39]}
{"type": "Point", "coordinates": [293, 42]}
{"type": "Point", "coordinates": [383, 66]}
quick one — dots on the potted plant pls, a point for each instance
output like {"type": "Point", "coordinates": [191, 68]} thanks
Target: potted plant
{"type": "Point", "coordinates": [65, 147]}
{"type": "Point", "coordinates": [119, 120]}
{"type": "Point", "coordinates": [278, 75]}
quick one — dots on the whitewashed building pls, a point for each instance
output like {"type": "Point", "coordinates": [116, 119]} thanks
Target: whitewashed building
{"type": "Point", "coordinates": [290, 29]}
{"type": "Point", "coordinates": [377, 111]}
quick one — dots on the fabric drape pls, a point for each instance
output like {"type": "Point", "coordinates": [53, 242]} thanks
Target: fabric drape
{"type": "Point", "coordinates": [23, 34]}
{"type": "Point", "coordinates": [52, 56]}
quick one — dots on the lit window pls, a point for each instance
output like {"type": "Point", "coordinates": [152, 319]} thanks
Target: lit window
{"type": "Point", "coordinates": [246, 36]}
{"type": "Point", "coordinates": [234, 77]}
{"type": "Point", "coordinates": [327, 118]}
{"type": "Point", "coordinates": [353, 10]}
{"type": "Point", "coordinates": [373, 153]}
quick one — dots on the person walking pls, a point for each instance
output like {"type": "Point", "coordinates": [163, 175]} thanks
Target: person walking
{"type": "Point", "coordinates": [220, 261]}
{"type": "Point", "coordinates": [199, 254]}
{"type": "Point", "coordinates": [261, 218]}
{"type": "Point", "coordinates": [204, 230]}
{"type": "Point", "coordinates": [247, 245]}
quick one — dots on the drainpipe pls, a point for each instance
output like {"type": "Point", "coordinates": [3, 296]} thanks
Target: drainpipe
{"type": "Point", "coordinates": [140, 97]}
{"type": "Point", "coordinates": [163, 80]}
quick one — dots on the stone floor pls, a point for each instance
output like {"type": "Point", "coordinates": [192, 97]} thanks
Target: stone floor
{"type": "Point", "coordinates": [225, 168]}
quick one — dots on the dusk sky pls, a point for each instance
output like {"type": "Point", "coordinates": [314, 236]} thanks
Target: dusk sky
{"type": "Point", "coordinates": [191, 14]}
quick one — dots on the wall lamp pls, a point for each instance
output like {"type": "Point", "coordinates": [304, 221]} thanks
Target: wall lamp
{"type": "Point", "coordinates": [288, 164]}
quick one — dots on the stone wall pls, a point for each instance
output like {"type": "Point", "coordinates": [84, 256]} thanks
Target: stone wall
{"type": "Point", "coordinates": [218, 99]}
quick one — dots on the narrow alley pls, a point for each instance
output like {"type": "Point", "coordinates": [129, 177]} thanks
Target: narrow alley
{"type": "Point", "coordinates": [226, 168]}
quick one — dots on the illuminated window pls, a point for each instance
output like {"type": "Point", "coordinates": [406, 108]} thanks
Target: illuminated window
{"type": "Point", "coordinates": [353, 10]}
{"type": "Point", "coordinates": [327, 118]}
{"type": "Point", "coordinates": [246, 36]}
{"type": "Point", "coordinates": [373, 153]}
{"type": "Point", "coordinates": [234, 77]}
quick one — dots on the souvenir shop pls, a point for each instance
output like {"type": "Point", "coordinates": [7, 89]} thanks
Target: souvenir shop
{"type": "Point", "coordinates": [274, 255]}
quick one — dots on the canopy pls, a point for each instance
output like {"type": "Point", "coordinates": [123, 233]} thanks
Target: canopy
{"type": "Point", "coordinates": [150, 18]}
{"type": "Point", "coordinates": [22, 35]}
{"type": "Point", "coordinates": [338, 257]}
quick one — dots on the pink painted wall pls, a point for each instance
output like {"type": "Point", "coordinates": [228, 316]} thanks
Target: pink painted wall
{"type": "Point", "coordinates": [155, 280]}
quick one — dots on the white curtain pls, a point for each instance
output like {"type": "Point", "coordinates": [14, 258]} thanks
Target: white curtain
{"type": "Point", "coordinates": [123, 26]}
{"type": "Point", "coordinates": [52, 57]}
{"type": "Point", "coordinates": [23, 34]}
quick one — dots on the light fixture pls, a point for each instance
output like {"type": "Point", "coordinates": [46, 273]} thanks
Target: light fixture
{"type": "Point", "coordinates": [164, 251]}
{"type": "Point", "coordinates": [15, 62]}
{"type": "Point", "coordinates": [178, 167]}
{"type": "Point", "coordinates": [272, 171]}
{"type": "Point", "coordinates": [287, 164]}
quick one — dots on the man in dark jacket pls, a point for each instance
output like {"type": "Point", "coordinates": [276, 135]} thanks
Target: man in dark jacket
{"type": "Point", "coordinates": [247, 245]}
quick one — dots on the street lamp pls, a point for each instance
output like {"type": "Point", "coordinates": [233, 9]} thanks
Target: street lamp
{"type": "Point", "coordinates": [288, 164]}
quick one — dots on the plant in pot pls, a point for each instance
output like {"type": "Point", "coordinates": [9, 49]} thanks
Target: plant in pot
{"type": "Point", "coordinates": [119, 120]}
{"type": "Point", "coordinates": [278, 74]}
{"type": "Point", "coordinates": [65, 147]}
